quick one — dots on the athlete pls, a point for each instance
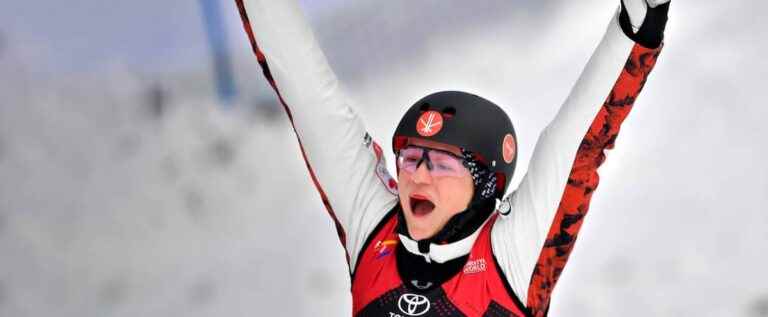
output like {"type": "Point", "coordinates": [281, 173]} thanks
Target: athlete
{"type": "Point", "coordinates": [434, 243]}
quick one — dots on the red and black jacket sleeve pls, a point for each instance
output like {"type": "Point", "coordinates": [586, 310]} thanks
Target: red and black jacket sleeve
{"type": "Point", "coordinates": [533, 241]}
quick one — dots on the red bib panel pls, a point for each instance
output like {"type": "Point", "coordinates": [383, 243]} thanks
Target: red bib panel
{"type": "Point", "coordinates": [477, 290]}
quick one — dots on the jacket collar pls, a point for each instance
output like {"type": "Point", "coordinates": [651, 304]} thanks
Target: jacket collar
{"type": "Point", "coordinates": [442, 253]}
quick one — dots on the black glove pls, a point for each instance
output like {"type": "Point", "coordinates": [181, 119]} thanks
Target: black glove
{"type": "Point", "coordinates": [644, 21]}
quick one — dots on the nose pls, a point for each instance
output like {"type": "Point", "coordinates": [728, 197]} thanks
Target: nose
{"type": "Point", "coordinates": [422, 175]}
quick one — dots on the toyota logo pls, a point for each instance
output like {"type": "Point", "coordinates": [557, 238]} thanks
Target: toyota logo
{"type": "Point", "coordinates": [413, 305]}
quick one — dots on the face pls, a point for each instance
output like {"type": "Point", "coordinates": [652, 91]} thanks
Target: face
{"type": "Point", "coordinates": [429, 200]}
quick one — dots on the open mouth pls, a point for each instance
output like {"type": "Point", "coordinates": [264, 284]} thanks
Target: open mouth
{"type": "Point", "coordinates": [421, 205]}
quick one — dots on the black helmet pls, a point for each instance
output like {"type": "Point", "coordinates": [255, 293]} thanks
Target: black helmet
{"type": "Point", "coordinates": [467, 121]}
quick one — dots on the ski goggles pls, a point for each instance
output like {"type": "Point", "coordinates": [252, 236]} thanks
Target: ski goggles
{"type": "Point", "coordinates": [439, 162]}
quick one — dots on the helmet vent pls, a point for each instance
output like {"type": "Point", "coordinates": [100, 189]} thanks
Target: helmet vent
{"type": "Point", "coordinates": [449, 112]}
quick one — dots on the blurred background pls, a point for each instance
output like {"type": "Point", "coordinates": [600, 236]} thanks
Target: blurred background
{"type": "Point", "coordinates": [146, 168]}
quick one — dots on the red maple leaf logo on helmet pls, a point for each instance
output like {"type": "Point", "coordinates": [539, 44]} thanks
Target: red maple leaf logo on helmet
{"type": "Point", "coordinates": [429, 124]}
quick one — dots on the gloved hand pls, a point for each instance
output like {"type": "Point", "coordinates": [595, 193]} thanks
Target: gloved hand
{"type": "Point", "coordinates": [644, 20]}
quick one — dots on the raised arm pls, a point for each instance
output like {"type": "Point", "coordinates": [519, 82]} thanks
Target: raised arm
{"type": "Point", "coordinates": [533, 240]}
{"type": "Point", "coordinates": [346, 166]}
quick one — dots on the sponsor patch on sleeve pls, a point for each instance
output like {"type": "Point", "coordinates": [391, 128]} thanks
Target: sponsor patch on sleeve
{"type": "Point", "coordinates": [381, 169]}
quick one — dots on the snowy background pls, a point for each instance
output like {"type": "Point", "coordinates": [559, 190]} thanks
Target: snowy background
{"type": "Point", "coordinates": [128, 189]}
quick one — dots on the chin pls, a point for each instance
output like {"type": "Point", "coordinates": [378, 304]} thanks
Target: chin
{"type": "Point", "coordinates": [419, 235]}
{"type": "Point", "coordinates": [419, 232]}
